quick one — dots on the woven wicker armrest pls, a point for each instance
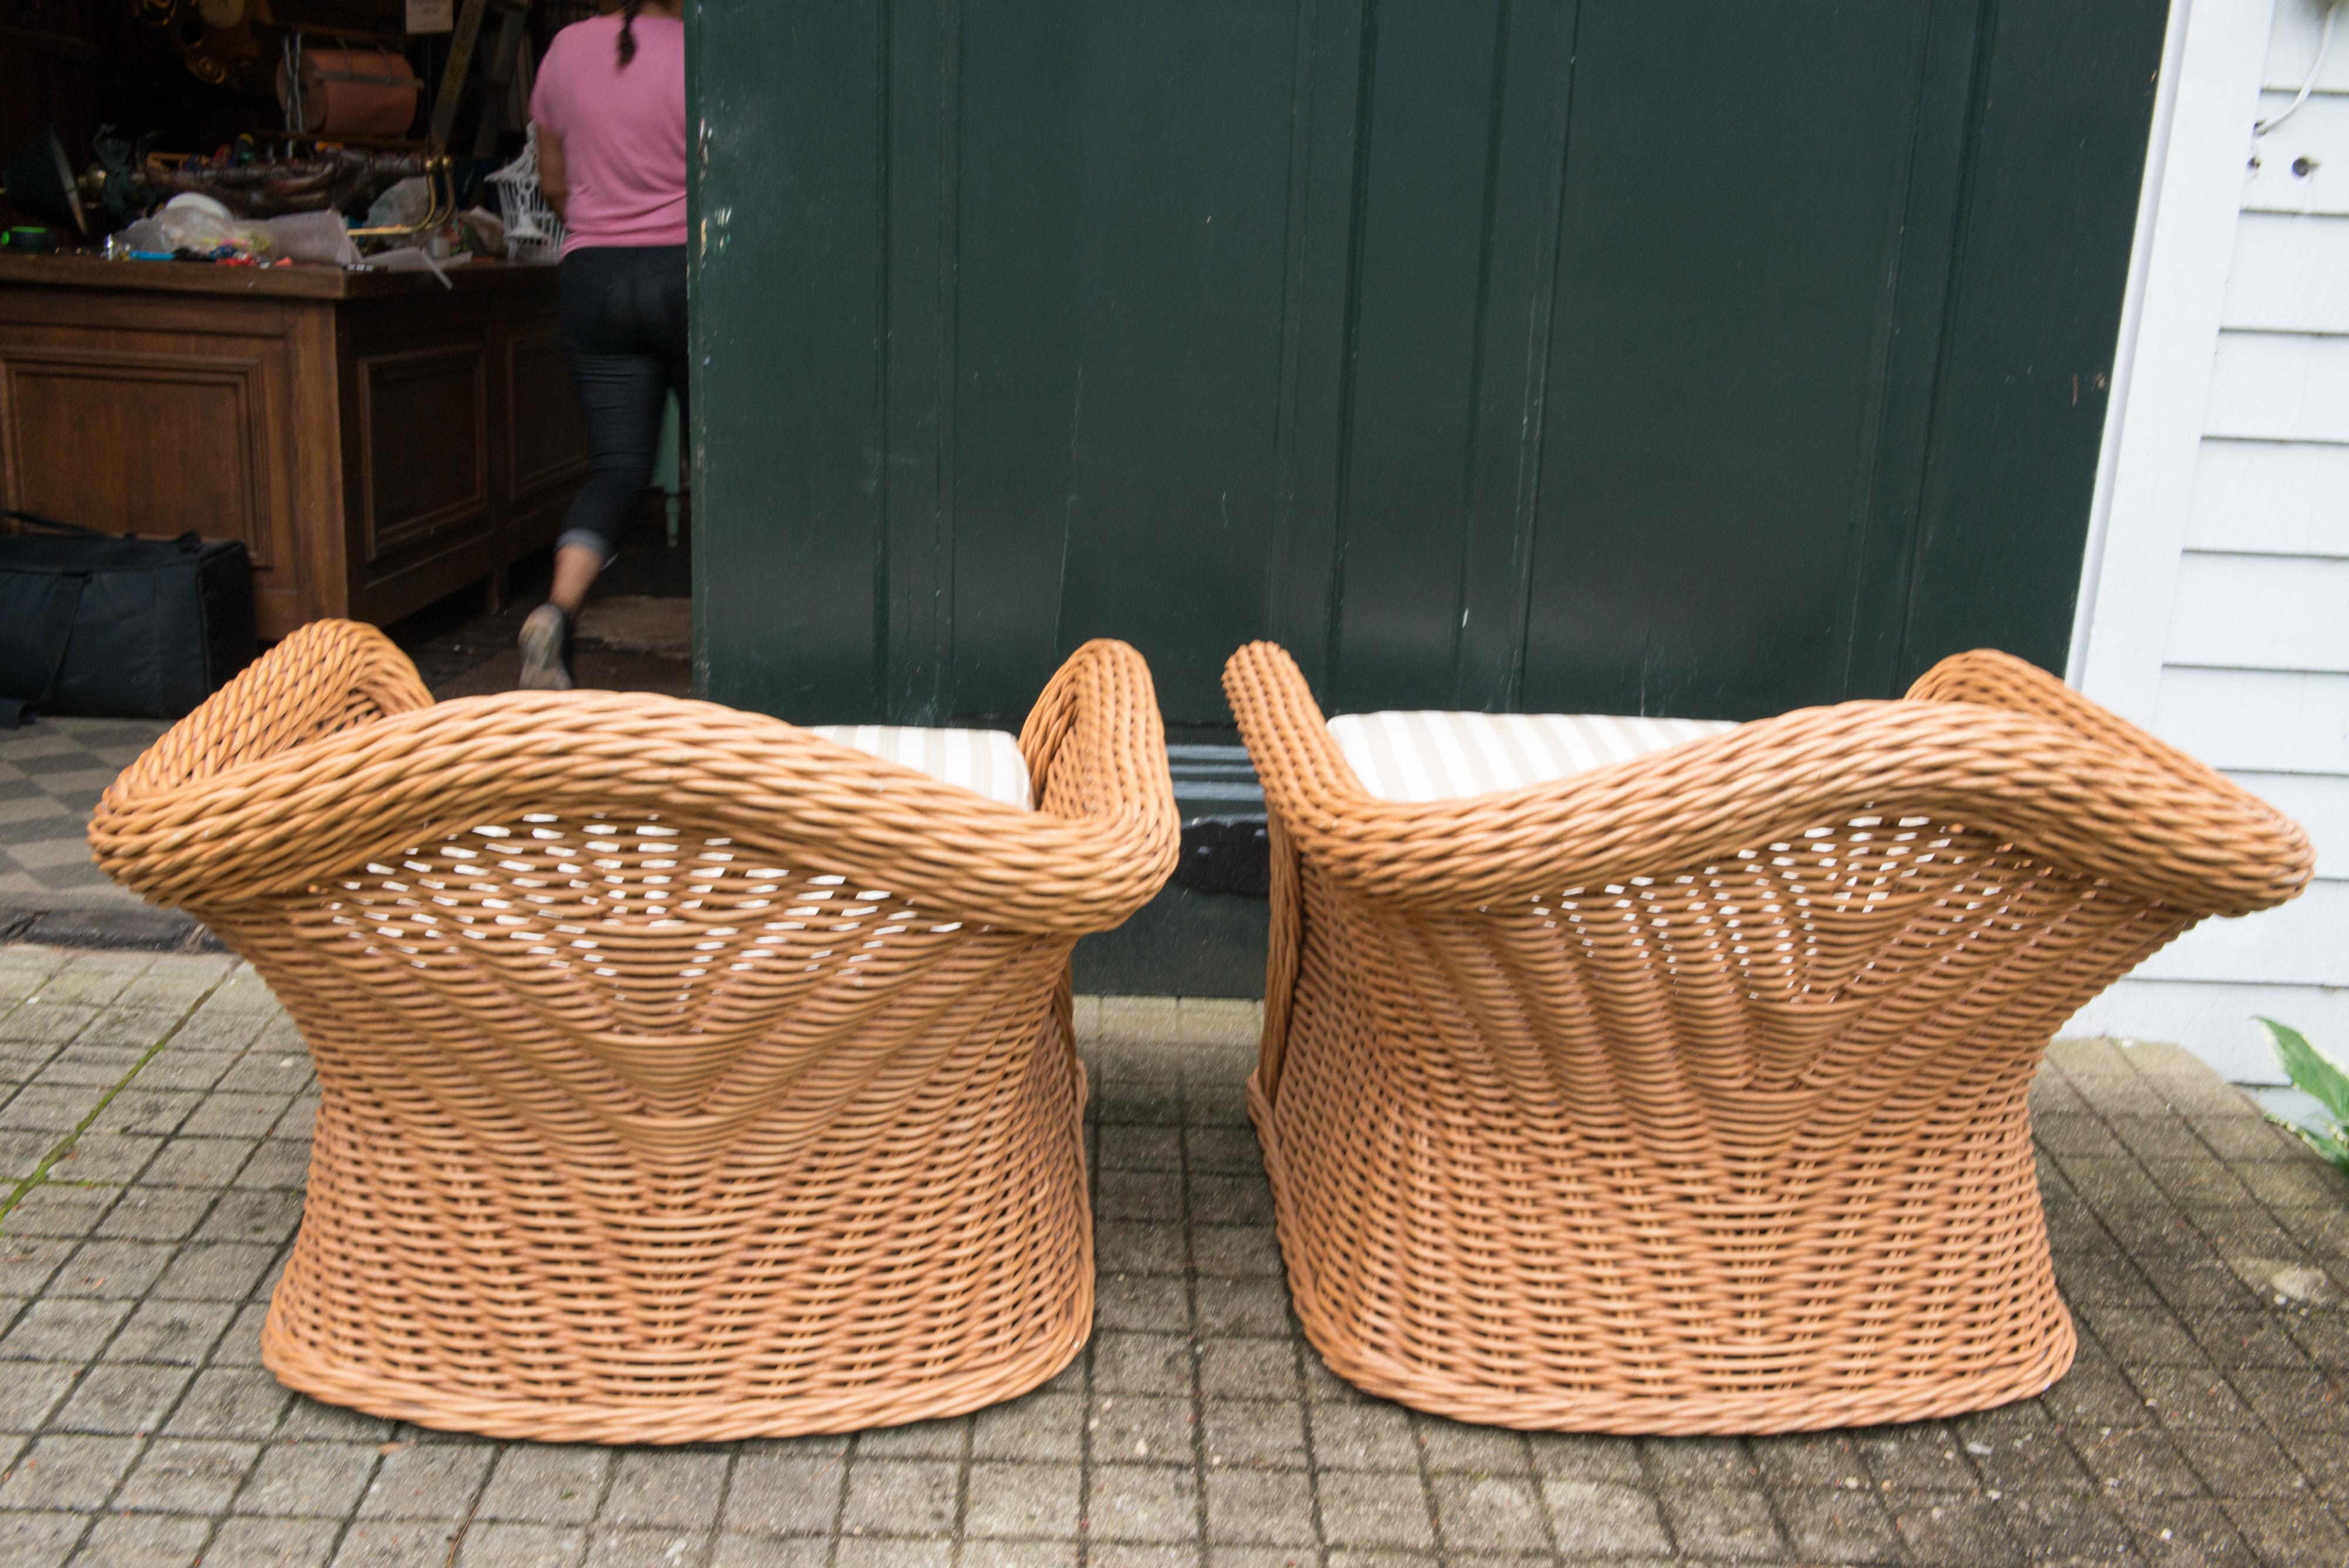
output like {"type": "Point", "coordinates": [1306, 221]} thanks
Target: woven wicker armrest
{"type": "Point", "coordinates": [296, 772]}
{"type": "Point", "coordinates": [1689, 1095]}
{"type": "Point", "coordinates": [1983, 740]}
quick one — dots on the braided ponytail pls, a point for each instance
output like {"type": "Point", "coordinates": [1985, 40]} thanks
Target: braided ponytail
{"type": "Point", "coordinates": [629, 31]}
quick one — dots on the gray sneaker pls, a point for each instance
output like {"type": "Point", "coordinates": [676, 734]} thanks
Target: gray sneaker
{"type": "Point", "coordinates": [546, 650]}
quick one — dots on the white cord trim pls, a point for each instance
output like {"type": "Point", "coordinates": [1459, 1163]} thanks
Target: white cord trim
{"type": "Point", "coordinates": [2308, 83]}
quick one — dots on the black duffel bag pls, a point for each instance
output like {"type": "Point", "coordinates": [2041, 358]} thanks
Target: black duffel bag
{"type": "Point", "coordinates": [119, 628]}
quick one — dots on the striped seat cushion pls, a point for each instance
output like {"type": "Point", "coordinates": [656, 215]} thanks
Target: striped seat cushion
{"type": "Point", "coordinates": [1436, 755]}
{"type": "Point", "coordinates": [984, 761]}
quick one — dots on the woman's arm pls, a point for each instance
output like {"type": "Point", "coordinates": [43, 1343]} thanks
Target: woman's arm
{"type": "Point", "coordinates": [554, 181]}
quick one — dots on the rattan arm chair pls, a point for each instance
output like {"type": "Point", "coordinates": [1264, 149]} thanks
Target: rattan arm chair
{"type": "Point", "coordinates": [685, 1076]}
{"type": "Point", "coordinates": [1688, 1094]}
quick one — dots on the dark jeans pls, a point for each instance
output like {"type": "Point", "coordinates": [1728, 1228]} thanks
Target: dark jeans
{"type": "Point", "coordinates": [623, 332]}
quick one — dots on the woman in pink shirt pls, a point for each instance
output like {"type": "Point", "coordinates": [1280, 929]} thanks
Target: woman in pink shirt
{"type": "Point", "coordinates": [609, 106]}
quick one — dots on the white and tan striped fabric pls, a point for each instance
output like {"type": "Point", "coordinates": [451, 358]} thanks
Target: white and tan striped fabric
{"type": "Point", "coordinates": [1434, 755]}
{"type": "Point", "coordinates": [984, 761]}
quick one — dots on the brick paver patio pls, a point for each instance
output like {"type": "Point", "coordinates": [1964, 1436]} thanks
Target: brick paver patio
{"type": "Point", "coordinates": [153, 1122]}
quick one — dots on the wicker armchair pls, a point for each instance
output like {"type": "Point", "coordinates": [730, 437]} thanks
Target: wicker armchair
{"type": "Point", "coordinates": [1688, 1094]}
{"type": "Point", "coordinates": [685, 1076]}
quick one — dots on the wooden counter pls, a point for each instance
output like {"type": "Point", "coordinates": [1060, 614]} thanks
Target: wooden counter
{"type": "Point", "coordinates": [378, 440]}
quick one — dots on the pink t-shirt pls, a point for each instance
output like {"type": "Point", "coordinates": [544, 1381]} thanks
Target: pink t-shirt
{"type": "Point", "coordinates": [623, 131]}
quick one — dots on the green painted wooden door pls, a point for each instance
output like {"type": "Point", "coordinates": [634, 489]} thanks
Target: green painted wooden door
{"type": "Point", "coordinates": [1698, 359]}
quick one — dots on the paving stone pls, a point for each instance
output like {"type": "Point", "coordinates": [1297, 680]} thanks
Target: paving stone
{"type": "Point", "coordinates": [427, 1481]}
{"type": "Point", "coordinates": [1720, 1522]}
{"type": "Point", "coordinates": [1023, 1500]}
{"type": "Point", "coordinates": [111, 1271]}
{"type": "Point", "coordinates": [1141, 1301]}
{"type": "Point", "coordinates": [1039, 1427]}
{"type": "Point", "coordinates": [145, 1541]}
{"type": "Point", "coordinates": [199, 1161]}
{"type": "Point", "coordinates": [39, 1540]}
{"type": "Point", "coordinates": [899, 1496]}
{"type": "Point", "coordinates": [296, 1480]}
{"type": "Point", "coordinates": [265, 1217]}
{"type": "Point", "coordinates": [274, 1543]}
{"type": "Point", "coordinates": [1147, 1195]}
{"type": "Point", "coordinates": [780, 1494]}
{"type": "Point", "coordinates": [1490, 1514]}
{"type": "Point", "coordinates": [1131, 1429]}
{"type": "Point", "coordinates": [1243, 1306]}
{"type": "Point", "coordinates": [2290, 1530]}
{"type": "Point", "coordinates": [395, 1543]}
{"type": "Point", "coordinates": [64, 1330]}
{"type": "Point", "coordinates": [1142, 1363]}
{"type": "Point", "coordinates": [915, 1441]}
{"type": "Point", "coordinates": [70, 1472]}
{"type": "Point", "coordinates": [229, 1402]}
{"type": "Point", "coordinates": [122, 1398]}
{"type": "Point", "coordinates": [185, 1476]}
{"type": "Point", "coordinates": [1142, 1503]}
{"type": "Point", "coordinates": [215, 1270]}
{"type": "Point", "coordinates": [894, 1555]}
{"type": "Point", "coordinates": [1371, 1511]}
{"type": "Point", "coordinates": [2065, 1525]}
{"type": "Point", "coordinates": [1365, 1437]}
{"type": "Point", "coordinates": [308, 1418]}
{"type": "Point", "coordinates": [157, 1213]}
{"type": "Point", "coordinates": [30, 1390]}
{"type": "Point", "coordinates": [760, 1552]}
{"type": "Point", "coordinates": [1126, 1247]}
{"type": "Point", "coordinates": [1836, 1524]}
{"type": "Point", "coordinates": [1266, 1508]}
{"type": "Point", "coordinates": [1953, 1527]}
{"type": "Point", "coordinates": [1484, 1451]}
{"type": "Point", "coordinates": [545, 1484]}
{"type": "Point", "coordinates": [1594, 1519]}
{"type": "Point", "coordinates": [1138, 1554]}
{"type": "Point", "coordinates": [277, 1163]}
{"type": "Point", "coordinates": [56, 1210]}
{"type": "Point", "coordinates": [499, 1544]}
{"type": "Point", "coordinates": [1248, 1368]}
{"type": "Point", "coordinates": [1253, 1432]}
{"type": "Point", "coordinates": [1235, 1249]}
{"type": "Point", "coordinates": [235, 1115]}
{"type": "Point", "coordinates": [173, 1332]}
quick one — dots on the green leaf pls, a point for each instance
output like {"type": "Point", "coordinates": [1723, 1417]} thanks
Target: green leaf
{"type": "Point", "coordinates": [2312, 1071]}
{"type": "Point", "coordinates": [2330, 1148]}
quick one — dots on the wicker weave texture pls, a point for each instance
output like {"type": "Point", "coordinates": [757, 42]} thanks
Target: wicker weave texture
{"type": "Point", "coordinates": [685, 1076]}
{"type": "Point", "coordinates": [1688, 1095]}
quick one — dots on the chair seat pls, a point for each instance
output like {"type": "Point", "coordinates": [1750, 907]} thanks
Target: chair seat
{"type": "Point", "coordinates": [984, 761]}
{"type": "Point", "coordinates": [1437, 755]}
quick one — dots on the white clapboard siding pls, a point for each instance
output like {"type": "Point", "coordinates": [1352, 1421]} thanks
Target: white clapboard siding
{"type": "Point", "coordinates": [2290, 271]}
{"type": "Point", "coordinates": [2292, 46]}
{"type": "Point", "coordinates": [2297, 943]}
{"type": "Point", "coordinates": [2228, 630]}
{"type": "Point", "coordinates": [2260, 612]}
{"type": "Point", "coordinates": [2302, 165]}
{"type": "Point", "coordinates": [2216, 1020]}
{"type": "Point", "coordinates": [2282, 498]}
{"type": "Point", "coordinates": [2280, 385]}
{"type": "Point", "coordinates": [2258, 721]}
{"type": "Point", "coordinates": [2319, 803]}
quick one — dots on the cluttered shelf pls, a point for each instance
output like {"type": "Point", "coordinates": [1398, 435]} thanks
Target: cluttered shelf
{"type": "Point", "coordinates": [299, 281]}
{"type": "Point", "coordinates": [377, 439]}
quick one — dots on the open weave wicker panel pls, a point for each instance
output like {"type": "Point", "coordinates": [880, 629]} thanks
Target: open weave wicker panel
{"type": "Point", "coordinates": [686, 1076]}
{"type": "Point", "coordinates": [1688, 1095]}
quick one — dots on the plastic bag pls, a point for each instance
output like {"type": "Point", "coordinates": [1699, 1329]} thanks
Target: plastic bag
{"type": "Point", "coordinates": [318, 236]}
